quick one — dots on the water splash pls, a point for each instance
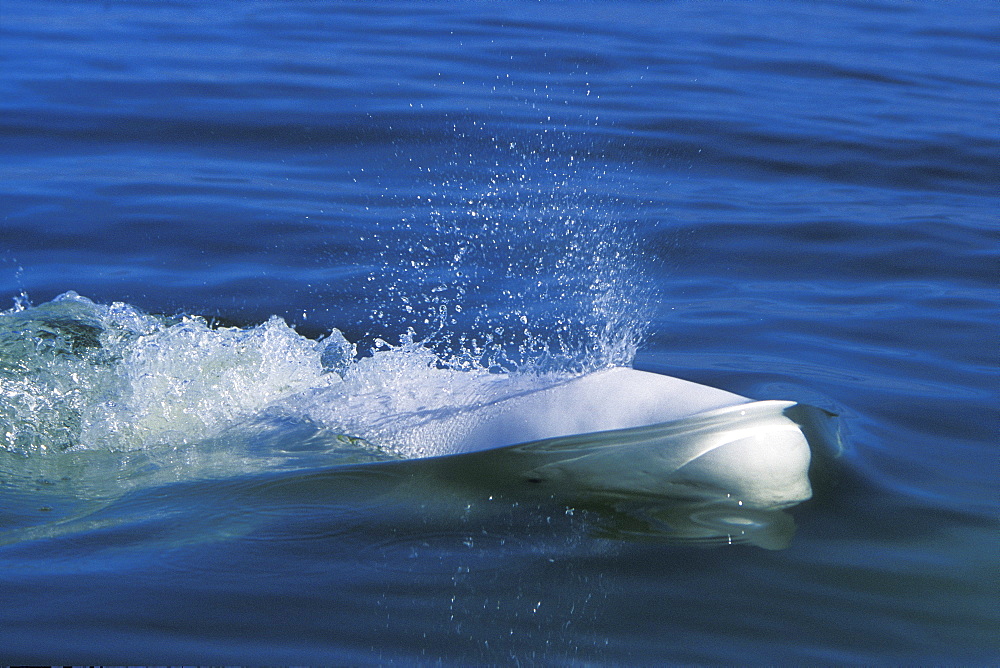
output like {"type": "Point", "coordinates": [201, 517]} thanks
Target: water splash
{"type": "Point", "coordinates": [80, 375]}
{"type": "Point", "coordinates": [515, 257]}
{"type": "Point", "coordinates": [76, 376]}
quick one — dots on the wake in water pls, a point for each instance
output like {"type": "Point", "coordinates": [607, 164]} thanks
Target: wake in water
{"type": "Point", "coordinates": [77, 376]}
{"type": "Point", "coordinates": [80, 375]}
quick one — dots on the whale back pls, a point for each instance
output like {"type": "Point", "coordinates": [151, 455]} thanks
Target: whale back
{"type": "Point", "coordinates": [607, 400]}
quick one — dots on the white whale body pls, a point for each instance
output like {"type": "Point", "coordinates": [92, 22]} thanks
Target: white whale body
{"type": "Point", "coordinates": [622, 432]}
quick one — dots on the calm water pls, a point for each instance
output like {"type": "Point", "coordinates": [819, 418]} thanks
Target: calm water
{"type": "Point", "coordinates": [784, 200]}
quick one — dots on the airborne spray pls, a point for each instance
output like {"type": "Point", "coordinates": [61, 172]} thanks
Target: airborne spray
{"type": "Point", "coordinates": [518, 258]}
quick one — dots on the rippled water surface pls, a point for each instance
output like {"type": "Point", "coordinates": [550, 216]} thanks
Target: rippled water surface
{"type": "Point", "coordinates": [784, 200]}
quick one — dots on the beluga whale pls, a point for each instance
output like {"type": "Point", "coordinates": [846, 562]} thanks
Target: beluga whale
{"type": "Point", "coordinates": [614, 433]}
{"type": "Point", "coordinates": [226, 401]}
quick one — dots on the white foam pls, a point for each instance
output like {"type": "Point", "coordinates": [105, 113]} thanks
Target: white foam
{"type": "Point", "coordinates": [188, 381]}
{"type": "Point", "coordinates": [86, 376]}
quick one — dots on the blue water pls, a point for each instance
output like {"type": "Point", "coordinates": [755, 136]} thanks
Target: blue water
{"type": "Point", "coordinates": [785, 200]}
